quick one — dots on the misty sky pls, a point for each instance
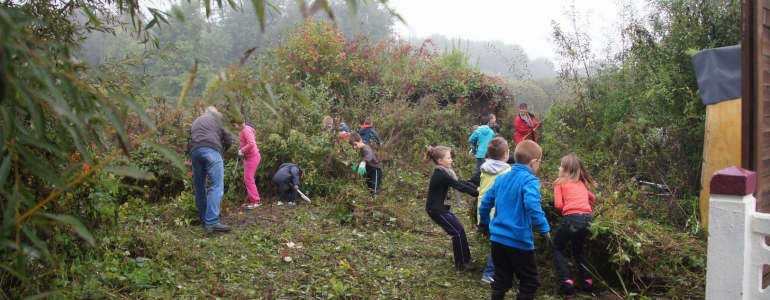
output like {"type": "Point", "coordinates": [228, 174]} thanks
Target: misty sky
{"type": "Point", "coordinates": [523, 22]}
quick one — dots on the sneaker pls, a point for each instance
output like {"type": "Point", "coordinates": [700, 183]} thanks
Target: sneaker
{"type": "Point", "coordinates": [469, 266]}
{"type": "Point", "coordinates": [487, 279]}
{"type": "Point", "coordinates": [587, 285]}
{"type": "Point", "coordinates": [280, 203]}
{"type": "Point", "coordinates": [253, 206]}
{"type": "Point", "coordinates": [567, 288]}
{"type": "Point", "coordinates": [292, 203]}
{"type": "Point", "coordinates": [219, 228]}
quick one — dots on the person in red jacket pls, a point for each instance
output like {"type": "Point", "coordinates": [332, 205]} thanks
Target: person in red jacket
{"type": "Point", "coordinates": [524, 125]}
{"type": "Point", "coordinates": [573, 200]}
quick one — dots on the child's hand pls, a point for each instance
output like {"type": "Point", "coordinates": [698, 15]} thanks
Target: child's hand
{"type": "Point", "coordinates": [484, 229]}
{"type": "Point", "coordinates": [362, 169]}
{"type": "Point", "coordinates": [545, 237]}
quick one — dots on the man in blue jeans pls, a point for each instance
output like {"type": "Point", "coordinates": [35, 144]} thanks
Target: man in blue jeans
{"type": "Point", "coordinates": [207, 143]}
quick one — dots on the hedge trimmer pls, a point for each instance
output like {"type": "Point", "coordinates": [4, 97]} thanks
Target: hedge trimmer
{"type": "Point", "coordinates": [303, 196]}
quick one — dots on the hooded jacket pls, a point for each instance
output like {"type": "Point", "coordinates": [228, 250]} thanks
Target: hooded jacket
{"type": "Point", "coordinates": [481, 138]}
{"type": "Point", "coordinates": [367, 132]}
{"type": "Point", "coordinates": [516, 199]}
{"type": "Point", "coordinates": [287, 176]}
{"type": "Point", "coordinates": [247, 142]}
{"type": "Point", "coordinates": [489, 171]}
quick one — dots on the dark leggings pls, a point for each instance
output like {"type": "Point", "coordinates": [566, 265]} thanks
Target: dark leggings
{"type": "Point", "coordinates": [574, 229]}
{"type": "Point", "coordinates": [450, 224]}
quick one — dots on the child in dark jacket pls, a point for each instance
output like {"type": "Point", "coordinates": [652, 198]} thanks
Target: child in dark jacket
{"type": "Point", "coordinates": [516, 198]}
{"type": "Point", "coordinates": [367, 132]}
{"type": "Point", "coordinates": [286, 181]}
{"type": "Point", "coordinates": [369, 165]}
{"type": "Point", "coordinates": [440, 197]}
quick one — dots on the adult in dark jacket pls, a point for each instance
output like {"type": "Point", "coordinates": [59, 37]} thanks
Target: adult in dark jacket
{"type": "Point", "coordinates": [208, 140]}
{"type": "Point", "coordinates": [367, 132]}
{"type": "Point", "coordinates": [286, 181]}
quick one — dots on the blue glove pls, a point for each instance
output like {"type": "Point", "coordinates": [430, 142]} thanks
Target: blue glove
{"type": "Point", "coordinates": [362, 169]}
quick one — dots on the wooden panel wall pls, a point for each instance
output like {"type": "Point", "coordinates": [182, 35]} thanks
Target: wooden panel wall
{"type": "Point", "coordinates": [755, 92]}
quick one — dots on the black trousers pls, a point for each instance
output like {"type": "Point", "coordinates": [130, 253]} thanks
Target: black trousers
{"type": "Point", "coordinates": [510, 261]}
{"type": "Point", "coordinates": [373, 179]}
{"type": "Point", "coordinates": [450, 224]}
{"type": "Point", "coordinates": [286, 191]}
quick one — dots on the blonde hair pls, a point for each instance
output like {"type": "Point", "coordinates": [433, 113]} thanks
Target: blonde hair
{"type": "Point", "coordinates": [573, 170]}
{"type": "Point", "coordinates": [526, 151]}
{"type": "Point", "coordinates": [434, 153]}
{"type": "Point", "coordinates": [328, 121]}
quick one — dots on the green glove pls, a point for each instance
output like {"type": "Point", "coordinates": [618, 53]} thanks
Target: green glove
{"type": "Point", "coordinates": [362, 169]}
{"type": "Point", "coordinates": [354, 168]}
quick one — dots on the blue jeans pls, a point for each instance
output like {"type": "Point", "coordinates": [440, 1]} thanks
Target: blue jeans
{"type": "Point", "coordinates": [479, 162]}
{"type": "Point", "coordinates": [489, 271]}
{"type": "Point", "coordinates": [207, 161]}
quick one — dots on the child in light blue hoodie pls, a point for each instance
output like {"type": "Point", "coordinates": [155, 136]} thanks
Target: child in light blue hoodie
{"type": "Point", "coordinates": [516, 198]}
{"type": "Point", "coordinates": [481, 137]}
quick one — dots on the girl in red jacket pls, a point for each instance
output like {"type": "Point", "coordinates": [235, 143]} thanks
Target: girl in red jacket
{"type": "Point", "coordinates": [573, 199]}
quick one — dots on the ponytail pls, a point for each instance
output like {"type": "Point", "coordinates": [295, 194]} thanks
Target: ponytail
{"type": "Point", "coordinates": [434, 153]}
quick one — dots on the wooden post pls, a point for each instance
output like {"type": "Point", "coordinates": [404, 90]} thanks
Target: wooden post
{"type": "Point", "coordinates": [731, 206]}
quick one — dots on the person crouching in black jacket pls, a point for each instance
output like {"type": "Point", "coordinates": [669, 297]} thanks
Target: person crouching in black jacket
{"type": "Point", "coordinates": [286, 180]}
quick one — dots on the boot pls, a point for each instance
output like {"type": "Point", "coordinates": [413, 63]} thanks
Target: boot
{"type": "Point", "coordinates": [525, 297]}
{"type": "Point", "coordinates": [587, 285]}
{"type": "Point", "coordinates": [498, 295]}
{"type": "Point", "coordinates": [469, 266]}
{"type": "Point", "coordinates": [567, 289]}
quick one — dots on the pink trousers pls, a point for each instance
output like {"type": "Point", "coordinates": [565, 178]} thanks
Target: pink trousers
{"type": "Point", "coordinates": [250, 165]}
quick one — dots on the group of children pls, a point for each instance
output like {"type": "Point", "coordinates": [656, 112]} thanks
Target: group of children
{"type": "Point", "coordinates": [288, 176]}
{"type": "Point", "coordinates": [508, 209]}
{"type": "Point", "coordinates": [361, 141]}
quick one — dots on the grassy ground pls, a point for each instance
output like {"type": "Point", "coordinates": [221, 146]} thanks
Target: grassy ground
{"type": "Point", "coordinates": [157, 255]}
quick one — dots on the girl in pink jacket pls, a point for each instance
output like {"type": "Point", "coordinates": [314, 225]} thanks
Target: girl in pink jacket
{"type": "Point", "coordinates": [250, 152]}
{"type": "Point", "coordinates": [574, 201]}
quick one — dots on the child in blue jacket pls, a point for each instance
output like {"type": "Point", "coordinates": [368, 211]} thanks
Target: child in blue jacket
{"type": "Point", "coordinates": [367, 132]}
{"type": "Point", "coordinates": [481, 138]}
{"type": "Point", "coordinates": [516, 198]}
